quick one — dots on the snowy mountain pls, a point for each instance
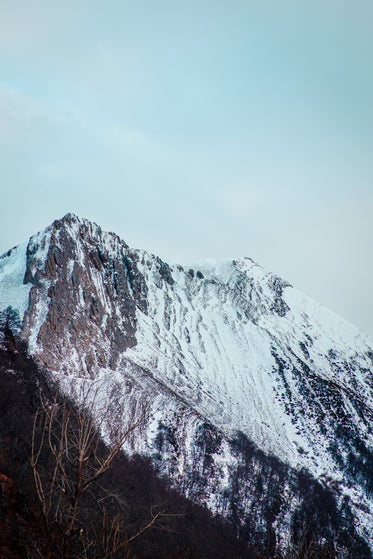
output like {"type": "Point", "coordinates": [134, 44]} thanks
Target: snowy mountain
{"type": "Point", "coordinates": [259, 401]}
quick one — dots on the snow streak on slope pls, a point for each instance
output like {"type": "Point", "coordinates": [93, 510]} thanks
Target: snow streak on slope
{"type": "Point", "coordinates": [204, 347]}
{"type": "Point", "coordinates": [217, 338]}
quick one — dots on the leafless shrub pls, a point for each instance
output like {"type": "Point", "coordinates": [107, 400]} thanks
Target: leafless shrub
{"type": "Point", "coordinates": [74, 504]}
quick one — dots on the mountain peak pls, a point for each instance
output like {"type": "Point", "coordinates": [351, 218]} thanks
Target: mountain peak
{"type": "Point", "coordinates": [70, 216]}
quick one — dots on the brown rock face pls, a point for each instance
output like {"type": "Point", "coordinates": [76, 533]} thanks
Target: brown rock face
{"type": "Point", "coordinates": [92, 286]}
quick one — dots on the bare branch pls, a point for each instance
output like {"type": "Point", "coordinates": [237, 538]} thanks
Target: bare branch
{"type": "Point", "coordinates": [79, 459]}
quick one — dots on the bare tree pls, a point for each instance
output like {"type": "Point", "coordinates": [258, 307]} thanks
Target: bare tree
{"type": "Point", "coordinates": [78, 512]}
{"type": "Point", "coordinates": [306, 547]}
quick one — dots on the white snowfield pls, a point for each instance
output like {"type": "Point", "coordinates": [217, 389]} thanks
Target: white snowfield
{"type": "Point", "coordinates": [13, 292]}
{"type": "Point", "coordinates": [237, 346]}
{"type": "Point", "coordinates": [197, 339]}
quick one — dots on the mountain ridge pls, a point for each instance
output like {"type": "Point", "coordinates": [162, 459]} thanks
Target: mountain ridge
{"type": "Point", "coordinates": [219, 353]}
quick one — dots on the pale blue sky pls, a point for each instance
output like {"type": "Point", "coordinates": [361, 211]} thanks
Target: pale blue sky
{"type": "Point", "coordinates": [198, 129]}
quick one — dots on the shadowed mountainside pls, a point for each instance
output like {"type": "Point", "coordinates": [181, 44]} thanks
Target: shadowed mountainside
{"type": "Point", "coordinates": [186, 530]}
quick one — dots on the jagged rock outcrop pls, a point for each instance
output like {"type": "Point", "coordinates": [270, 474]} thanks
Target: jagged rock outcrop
{"type": "Point", "coordinates": [259, 401]}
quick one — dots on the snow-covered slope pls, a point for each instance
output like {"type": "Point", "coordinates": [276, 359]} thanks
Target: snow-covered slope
{"type": "Point", "coordinates": [260, 401]}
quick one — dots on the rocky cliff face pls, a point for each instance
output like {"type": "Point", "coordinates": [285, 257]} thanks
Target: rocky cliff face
{"type": "Point", "coordinates": [259, 401]}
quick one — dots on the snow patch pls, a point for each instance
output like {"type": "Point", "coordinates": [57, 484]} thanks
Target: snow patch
{"type": "Point", "coordinates": [13, 292]}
